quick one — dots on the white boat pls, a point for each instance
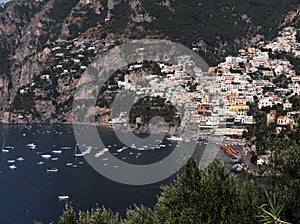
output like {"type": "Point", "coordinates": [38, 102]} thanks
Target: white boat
{"type": "Point", "coordinates": [40, 163]}
{"type": "Point", "coordinates": [88, 150]}
{"type": "Point", "coordinates": [31, 146]}
{"type": "Point", "coordinates": [69, 164]}
{"type": "Point", "coordinates": [77, 152]}
{"type": "Point", "coordinates": [63, 197]}
{"type": "Point", "coordinates": [66, 148]}
{"type": "Point", "coordinates": [46, 156]}
{"type": "Point", "coordinates": [120, 150]}
{"type": "Point", "coordinates": [54, 159]}
{"type": "Point", "coordinates": [12, 167]}
{"type": "Point", "coordinates": [20, 158]}
{"type": "Point", "coordinates": [102, 152]}
{"type": "Point", "coordinates": [6, 148]}
{"type": "Point", "coordinates": [57, 151]}
{"type": "Point", "coordinates": [52, 170]}
{"type": "Point", "coordinates": [10, 161]}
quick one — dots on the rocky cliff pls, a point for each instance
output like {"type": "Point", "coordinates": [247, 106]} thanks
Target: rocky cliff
{"type": "Point", "coordinates": [46, 45]}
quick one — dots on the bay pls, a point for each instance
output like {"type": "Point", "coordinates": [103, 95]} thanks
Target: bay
{"type": "Point", "coordinates": [30, 193]}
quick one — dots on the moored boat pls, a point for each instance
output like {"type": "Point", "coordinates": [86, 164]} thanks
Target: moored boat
{"type": "Point", "coordinates": [31, 146]}
{"type": "Point", "coordinates": [63, 197]}
{"type": "Point", "coordinates": [12, 167]}
{"type": "Point", "coordinates": [46, 156]}
{"type": "Point", "coordinates": [52, 170]}
{"type": "Point", "coordinates": [6, 148]}
{"type": "Point", "coordinates": [66, 148]}
{"type": "Point", "coordinates": [77, 152]}
{"type": "Point", "coordinates": [102, 152]}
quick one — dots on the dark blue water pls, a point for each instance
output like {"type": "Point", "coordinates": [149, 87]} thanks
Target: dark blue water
{"type": "Point", "coordinates": [31, 193]}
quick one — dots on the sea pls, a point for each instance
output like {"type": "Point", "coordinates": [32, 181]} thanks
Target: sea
{"type": "Point", "coordinates": [30, 193]}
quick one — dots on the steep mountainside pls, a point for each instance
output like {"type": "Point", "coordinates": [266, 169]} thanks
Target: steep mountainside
{"type": "Point", "coordinates": [46, 45]}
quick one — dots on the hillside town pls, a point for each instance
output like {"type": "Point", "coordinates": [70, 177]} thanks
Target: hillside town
{"type": "Point", "coordinates": [217, 106]}
{"type": "Point", "coordinates": [214, 105]}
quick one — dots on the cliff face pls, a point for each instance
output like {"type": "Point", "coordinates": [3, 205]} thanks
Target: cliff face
{"type": "Point", "coordinates": [46, 45]}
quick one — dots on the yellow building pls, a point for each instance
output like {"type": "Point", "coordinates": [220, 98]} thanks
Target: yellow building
{"type": "Point", "coordinates": [241, 110]}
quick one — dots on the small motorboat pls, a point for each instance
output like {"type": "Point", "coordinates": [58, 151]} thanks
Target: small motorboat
{"type": "Point", "coordinates": [46, 156]}
{"type": "Point", "coordinates": [63, 197]}
{"type": "Point", "coordinates": [40, 163]}
{"type": "Point", "coordinates": [31, 146]}
{"type": "Point", "coordinates": [52, 170]}
{"type": "Point", "coordinates": [20, 158]}
{"type": "Point", "coordinates": [10, 161]}
{"type": "Point", "coordinates": [57, 151]}
{"type": "Point", "coordinates": [120, 150]}
{"type": "Point", "coordinates": [102, 152]}
{"type": "Point", "coordinates": [12, 167]}
{"type": "Point", "coordinates": [66, 148]}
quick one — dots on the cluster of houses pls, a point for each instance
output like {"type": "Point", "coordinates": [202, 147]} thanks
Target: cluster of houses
{"type": "Point", "coordinates": [220, 101]}
{"type": "Point", "coordinates": [217, 102]}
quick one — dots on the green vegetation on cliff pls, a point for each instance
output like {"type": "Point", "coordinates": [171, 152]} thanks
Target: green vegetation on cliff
{"type": "Point", "coordinates": [212, 195]}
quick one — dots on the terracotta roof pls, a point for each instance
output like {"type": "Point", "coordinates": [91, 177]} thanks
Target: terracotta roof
{"type": "Point", "coordinates": [281, 117]}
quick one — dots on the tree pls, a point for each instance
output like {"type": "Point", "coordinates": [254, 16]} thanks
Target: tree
{"type": "Point", "coordinates": [141, 214]}
{"type": "Point", "coordinates": [211, 195]}
{"type": "Point", "coordinates": [68, 216]}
